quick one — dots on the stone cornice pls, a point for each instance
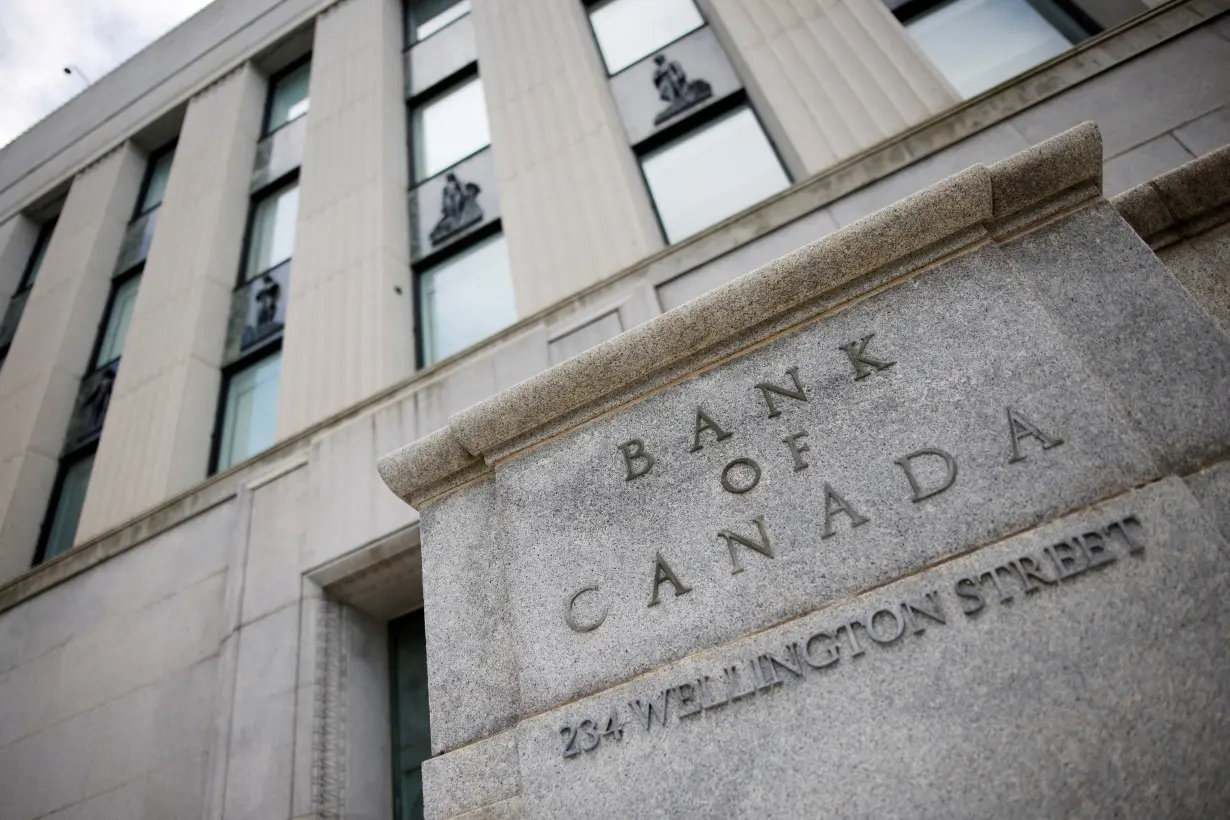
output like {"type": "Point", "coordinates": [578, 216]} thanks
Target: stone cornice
{"type": "Point", "coordinates": [1180, 203]}
{"type": "Point", "coordinates": [955, 214]}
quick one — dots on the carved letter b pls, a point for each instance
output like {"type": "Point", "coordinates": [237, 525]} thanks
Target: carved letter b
{"type": "Point", "coordinates": [634, 452]}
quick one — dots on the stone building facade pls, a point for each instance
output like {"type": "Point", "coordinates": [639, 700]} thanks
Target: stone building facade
{"type": "Point", "coordinates": [291, 236]}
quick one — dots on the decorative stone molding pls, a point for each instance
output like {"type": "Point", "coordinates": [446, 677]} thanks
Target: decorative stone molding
{"type": "Point", "coordinates": [1181, 203]}
{"type": "Point", "coordinates": [329, 722]}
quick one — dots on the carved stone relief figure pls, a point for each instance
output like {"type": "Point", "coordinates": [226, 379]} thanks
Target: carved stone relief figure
{"type": "Point", "coordinates": [675, 89]}
{"type": "Point", "coordinates": [95, 404]}
{"type": "Point", "coordinates": [459, 208]}
{"type": "Point", "coordinates": [267, 296]}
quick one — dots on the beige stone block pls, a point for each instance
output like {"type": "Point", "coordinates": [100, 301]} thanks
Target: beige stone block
{"type": "Point", "coordinates": [276, 536]}
{"type": "Point", "coordinates": [26, 699]}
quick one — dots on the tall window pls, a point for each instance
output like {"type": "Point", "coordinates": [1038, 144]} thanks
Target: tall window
{"type": "Point", "coordinates": [250, 383]}
{"type": "Point", "coordinates": [157, 172]}
{"type": "Point", "coordinates": [466, 298]}
{"type": "Point", "coordinates": [271, 237]}
{"type": "Point", "coordinates": [85, 425]}
{"type": "Point", "coordinates": [61, 526]}
{"type": "Point", "coordinates": [36, 256]}
{"type": "Point", "coordinates": [411, 727]}
{"type": "Point", "coordinates": [250, 410]}
{"type": "Point", "coordinates": [448, 128]}
{"type": "Point", "coordinates": [425, 17]}
{"type": "Point", "coordinates": [464, 290]}
{"type": "Point", "coordinates": [702, 150]}
{"type": "Point", "coordinates": [288, 96]}
{"type": "Point", "coordinates": [978, 44]}
{"type": "Point", "coordinates": [629, 30]}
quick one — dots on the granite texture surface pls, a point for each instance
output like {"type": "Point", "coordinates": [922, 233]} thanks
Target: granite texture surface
{"type": "Point", "coordinates": [1211, 486]}
{"type": "Point", "coordinates": [472, 777]}
{"type": "Point", "coordinates": [1137, 329]}
{"type": "Point", "coordinates": [1180, 202]}
{"type": "Point", "coordinates": [471, 661]}
{"type": "Point", "coordinates": [1100, 695]}
{"type": "Point", "coordinates": [1202, 265]}
{"type": "Point", "coordinates": [967, 341]}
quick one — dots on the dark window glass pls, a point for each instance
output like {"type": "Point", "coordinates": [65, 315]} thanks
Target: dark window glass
{"type": "Point", "coordinates": [288, 98]}
{"type": "Point", "coordinates": [978, 44]}
{"type": "Point", "coordinates": [250, 411]}
{"type": "Point", "coordinates": [156, 176]}
{"type": "Point", "coordinates": [411, 727]}
{"type": "Point", "coordinates": [115, 329]}
{"type": "Point", "coordinates": [271, 239]}
{"type": "Point", "coordinates": [62, 527]}
{"type": "Point", "coordinates": [36, 255]}
{"type": "Point", "coordinates": [711, 173]}
{"type": "Point", "coordinates": [425, 17]}
{"type": "Point", "coordinates": [628, 30]}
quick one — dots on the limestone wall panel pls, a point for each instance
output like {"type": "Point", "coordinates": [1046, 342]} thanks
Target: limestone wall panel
{"type": "Point", "coordinates": [349, 328]}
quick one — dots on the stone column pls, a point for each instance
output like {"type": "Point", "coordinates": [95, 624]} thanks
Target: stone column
{"type": "Point", "coordinates": [156, 439]}
{"type": "Point", "coordinates": [51, 351]}
{"type": "Point", "coordinates": [835, 77]}
{"type": "Point", "coordinates": [17, 238]}
{"type": "Point", "coordinates": [349, 320]}
{"type": "Point", "coordinates": [575, 207]}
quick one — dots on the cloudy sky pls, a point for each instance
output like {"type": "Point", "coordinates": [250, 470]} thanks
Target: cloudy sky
{"type": "Point", "coordinates": [39, 37]}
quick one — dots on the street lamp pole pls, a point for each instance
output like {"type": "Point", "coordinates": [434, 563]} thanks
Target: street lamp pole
{"type": "Point", "coordinates": [72, 69]}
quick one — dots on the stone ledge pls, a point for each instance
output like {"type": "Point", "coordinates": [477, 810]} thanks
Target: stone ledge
{"type": "Point", "coordinates": [1180, 203]}
{"type": "Point", "coordinates": [1010, 195]}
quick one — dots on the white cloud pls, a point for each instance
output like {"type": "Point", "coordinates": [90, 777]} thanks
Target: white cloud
{"type": "Point", "coordinates": [39, 37]}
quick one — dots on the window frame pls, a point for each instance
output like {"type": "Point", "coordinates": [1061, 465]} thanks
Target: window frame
{"type": "Point", "coordinates": [37, 253]}
{"type": "Point", "coordinates": [150, 162]}
{"type": "Point", "coordinates": [433, 260]}
{"type": "Point", "coordinates": [407, 16]}
{"type": "Point", "coordinates": [287, 180]}
{"type": "Point", "coordinates": [275, 78]}
{"type": "Point", "coordinates": [690, 124]}
{"type": "Point", "coordinates": [1071, 21]}
{"type": "Point", "coordinates": [116, 284]}
{"type": "Point", "coordinates": [446, 86]}
{"type": "Point", "coordinates": [270, 348]}
{"type": "Point", "coordinates": [67, 461]}
{"type": "Point", "coordinates": [592, 5]}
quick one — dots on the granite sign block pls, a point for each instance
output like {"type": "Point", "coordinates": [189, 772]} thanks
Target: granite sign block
{"type": "Point", "coordinates": [941, 537]}
{"type": "Point", "coordinates": [936, 367]}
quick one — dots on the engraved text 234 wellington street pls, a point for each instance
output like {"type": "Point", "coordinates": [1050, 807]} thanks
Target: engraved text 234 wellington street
{"type": "Point", "coordinates": [846, 639]}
